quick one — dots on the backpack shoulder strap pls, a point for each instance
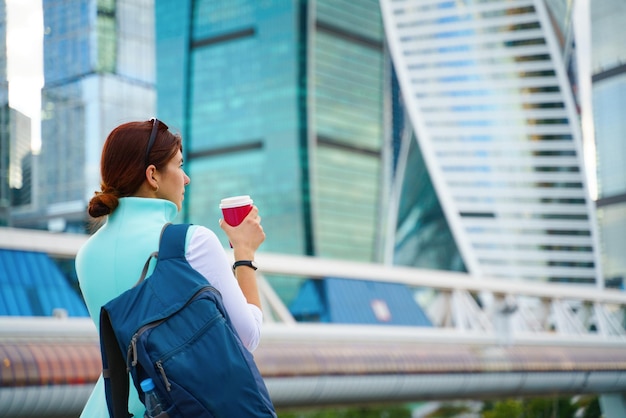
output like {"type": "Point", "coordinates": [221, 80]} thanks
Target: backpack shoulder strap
{"type": "Point", "coordinates": [173, 238]}
{"type": "Point", "coordinates": [171, 246]}
{"type": "Point", "coordinates": [114, 372]}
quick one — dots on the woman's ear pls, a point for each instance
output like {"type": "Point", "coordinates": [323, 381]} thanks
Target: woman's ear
{"type": "Point", "coordinates": [152, 176]}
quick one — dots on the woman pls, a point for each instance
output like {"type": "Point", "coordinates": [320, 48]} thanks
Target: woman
{"type": "Point", "coordinates": [143, 186]}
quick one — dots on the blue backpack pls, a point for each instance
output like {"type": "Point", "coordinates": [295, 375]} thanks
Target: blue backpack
{"type": "Point", "coordinates": [173, 328]}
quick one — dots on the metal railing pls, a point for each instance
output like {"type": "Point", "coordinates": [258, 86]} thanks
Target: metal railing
{"type": "Point", "coordinates": [520, 339]}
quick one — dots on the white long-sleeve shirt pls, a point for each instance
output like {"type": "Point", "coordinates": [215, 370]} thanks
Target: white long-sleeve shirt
{"type": "Point", "coordinates": [205, 254]}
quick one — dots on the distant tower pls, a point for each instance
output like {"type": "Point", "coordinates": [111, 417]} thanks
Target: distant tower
{"type": "Point", "coordinates": [21, 156]}
{"type": "Point", "coordinates": [98, 73]}
{"type": "Point", "coordinates": [5, 151]}
{"type": "Point", "coordinates": [4, 82]}
{"type": "Point", "coordinates": [609, 101]}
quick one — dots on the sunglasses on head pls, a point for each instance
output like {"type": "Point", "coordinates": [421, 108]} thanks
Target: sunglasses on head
{"type": "Point", "coordinates": [153, 135]}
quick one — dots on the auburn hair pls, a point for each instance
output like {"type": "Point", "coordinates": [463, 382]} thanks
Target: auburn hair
{"type": "Point", "coordinates": [123, 163]}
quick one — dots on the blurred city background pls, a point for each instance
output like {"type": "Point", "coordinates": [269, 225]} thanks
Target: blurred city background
{"type": "Point", "coordinates": [476, 141]}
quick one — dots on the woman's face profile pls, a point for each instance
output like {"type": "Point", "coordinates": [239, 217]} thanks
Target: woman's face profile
{"type": "Point", "coordinates": [173, 180]}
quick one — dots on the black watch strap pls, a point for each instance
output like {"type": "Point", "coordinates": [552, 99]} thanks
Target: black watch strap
{"type": "Point", "coordinates": [247, 263]}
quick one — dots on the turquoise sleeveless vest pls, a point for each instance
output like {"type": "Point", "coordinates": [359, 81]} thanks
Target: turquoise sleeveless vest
{"type": "Point", "coordinates": [111, 262]}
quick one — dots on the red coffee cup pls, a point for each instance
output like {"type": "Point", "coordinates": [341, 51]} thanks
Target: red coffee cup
{"type": "Point", "coordinates": [235, 209]}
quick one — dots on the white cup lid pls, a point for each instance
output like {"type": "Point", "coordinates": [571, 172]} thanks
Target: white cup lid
{"type": "Point", "coordinates": [235, 201]}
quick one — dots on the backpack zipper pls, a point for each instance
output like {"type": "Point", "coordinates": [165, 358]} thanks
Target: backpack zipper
{"type": "Point", "coordinates": [132, 346]}
{"type": "Point", "coordinates": [159, 365]}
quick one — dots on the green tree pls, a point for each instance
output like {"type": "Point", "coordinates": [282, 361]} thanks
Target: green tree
{"type": "Point", "coordinates": [549, 408]}
{"type": "Point", "coordinates": [449, 411]}
{"type": "Point", "coordinates": [508, 408]}
{"type": "Point", "coordinates": [543, 408]}
{"type": "Point", "coordinates": [592, 409]}
{"type": "Point", "coordinates": [392, 411]}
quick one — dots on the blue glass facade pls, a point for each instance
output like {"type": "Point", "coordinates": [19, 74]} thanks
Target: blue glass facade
{"type": "Point", "coordinates": [227, 78]}
{"type": "Point", "coordinates": [346, 85]}
{"type": "Point", "coordinates": [609, 103]}
{"type": "Point", "coordinates": [67, 52]}
{"type": "Point", "coordinates": [609, 100]}
{"type": "Point", "coordinates": [423, 238]}
{"type": "Point", "coordinates": [281, 101]}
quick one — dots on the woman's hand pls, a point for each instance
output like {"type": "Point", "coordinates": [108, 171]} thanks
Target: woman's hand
{"type": "Point", "coordinates": [245, 237]}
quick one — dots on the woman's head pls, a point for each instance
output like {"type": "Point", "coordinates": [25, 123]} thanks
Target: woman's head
{"type": "Point", "coordinates": [130, 167]}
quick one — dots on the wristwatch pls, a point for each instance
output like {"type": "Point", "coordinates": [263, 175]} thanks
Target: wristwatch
{"type": "Point", "coordinates": [247, 263]}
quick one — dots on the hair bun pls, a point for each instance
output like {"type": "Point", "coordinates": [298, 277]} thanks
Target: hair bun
{"type": "Point", "coordinates": [103, 203]}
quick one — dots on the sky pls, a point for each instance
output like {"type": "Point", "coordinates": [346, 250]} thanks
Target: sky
{"type": "Point", "coordinates": [25, 60]}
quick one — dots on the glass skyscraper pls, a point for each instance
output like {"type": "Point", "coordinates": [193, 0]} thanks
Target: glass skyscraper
{"type": "Point", "coordinates": [490, 91]}
{"type": "Point", "coordinates": [281, 100]}
{"type": "Point", "coordinates": [609, 101]}
{"type": "Point", "coordinates": [16, 158]}
{"type": "Point", "coordinates": [98, 73]}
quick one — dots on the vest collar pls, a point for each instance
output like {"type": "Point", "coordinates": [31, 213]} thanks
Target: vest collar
{"type": "Point", "coordinates": [143, 208]}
